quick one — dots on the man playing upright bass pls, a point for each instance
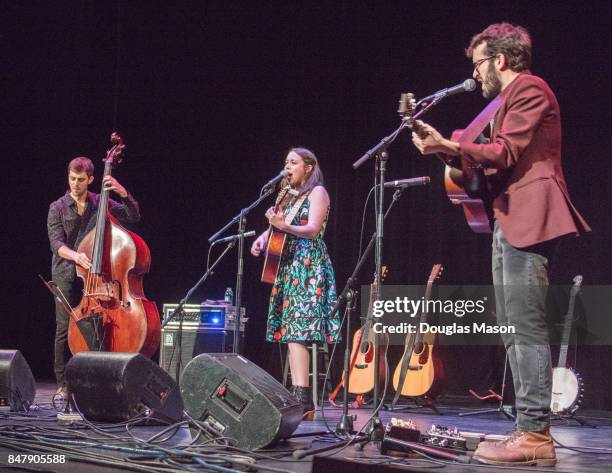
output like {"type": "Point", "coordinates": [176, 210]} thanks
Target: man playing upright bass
{"type": "Point", "coordinates": [70, 218]}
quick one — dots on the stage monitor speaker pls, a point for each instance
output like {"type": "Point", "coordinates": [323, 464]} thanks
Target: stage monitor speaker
{"type": "Point", "coordinates": [119, 386]}
{"type": "Point", "coordinates": [17, 385]}
{"type": "Point", "coordinates": [239, 400]}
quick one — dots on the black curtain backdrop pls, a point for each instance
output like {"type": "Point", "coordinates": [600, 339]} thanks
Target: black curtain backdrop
{"type": "Point", "coordinates": [210, 96]}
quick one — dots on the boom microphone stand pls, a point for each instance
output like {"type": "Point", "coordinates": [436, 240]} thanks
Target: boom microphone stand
{"type": "Point", "coordinates": [375, 430]}
{"type": "Point", "coordinates": [407, 106]}
{"type": "Point", "coordinates": [349, 296]}
{"type": "Point", "coordinates": [267, 190]}
{"type": "Point", "coordinates": [178, 311]}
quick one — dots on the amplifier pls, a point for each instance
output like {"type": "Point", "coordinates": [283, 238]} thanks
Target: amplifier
{"type": "Point", "coordinates": [206, 329]}
{"type": "Point", "coordinates": [218, 316]}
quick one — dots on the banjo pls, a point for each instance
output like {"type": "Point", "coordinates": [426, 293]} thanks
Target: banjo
{"type": "Point", "coordinates": [567, 385]}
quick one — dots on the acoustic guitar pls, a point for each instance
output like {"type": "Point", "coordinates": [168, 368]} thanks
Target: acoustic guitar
{"type": "Point", "coordinates": [467, 187]}
{"type": "Point", "coordinates": [567, 386]}
{"type": "Point", "coordinates": [276, 238]}
{"type": "Point", "coordinates": [465, 183]}
{"type": "Point", "coordinates": [361, 372]}
{"type": "Point", "coordinates": [422, 370]}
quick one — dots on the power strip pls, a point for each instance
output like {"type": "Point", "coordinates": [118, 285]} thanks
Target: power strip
{"type": "Point", "coordinates": [66, 418]}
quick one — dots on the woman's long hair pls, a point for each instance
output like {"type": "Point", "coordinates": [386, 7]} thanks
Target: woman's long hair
{"type": "Point", "coordinates": [315, 177]}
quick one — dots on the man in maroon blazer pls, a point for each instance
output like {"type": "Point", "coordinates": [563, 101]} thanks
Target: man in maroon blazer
{"type": "Point", "coordinates": [532, 210]}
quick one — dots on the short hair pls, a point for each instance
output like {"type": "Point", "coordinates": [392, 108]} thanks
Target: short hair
{"type": "Point", "coordinates": [512, 41]}
{"type": "Point", "coordinates": [81, 164]}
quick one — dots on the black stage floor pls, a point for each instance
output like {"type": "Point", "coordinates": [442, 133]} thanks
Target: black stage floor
{"type": "Point", "coordinates": [39, 432]}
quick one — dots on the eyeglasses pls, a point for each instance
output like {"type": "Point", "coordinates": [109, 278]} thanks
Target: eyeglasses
{"type": "Point", "coordinates": [478, 63]}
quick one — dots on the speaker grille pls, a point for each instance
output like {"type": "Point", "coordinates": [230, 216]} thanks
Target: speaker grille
{"type": "Point", "coordinates": [195, 340]}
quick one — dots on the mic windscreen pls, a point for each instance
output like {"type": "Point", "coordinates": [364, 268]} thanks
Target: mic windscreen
{"type": "Point", "coordinates": [284, 173]}
{"type": "Point", "coordinates": [469, 85]}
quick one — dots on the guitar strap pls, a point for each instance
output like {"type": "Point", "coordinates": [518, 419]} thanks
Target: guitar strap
{"type": "Point", "coordinates": [479, 123]}
{"type": "Point", "coordinates": [476, 183]}
{"type": "Point", "coordinates": [295, 208]}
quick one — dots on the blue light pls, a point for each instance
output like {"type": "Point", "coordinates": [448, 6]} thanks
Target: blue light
{"type": "Point", "coordinates": [215, 320]}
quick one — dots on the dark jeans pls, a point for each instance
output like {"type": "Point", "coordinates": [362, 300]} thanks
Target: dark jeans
{"type": "Point", "coordinates": [520, 277]}
{"type": "Point", "coordinates": [72, 291]}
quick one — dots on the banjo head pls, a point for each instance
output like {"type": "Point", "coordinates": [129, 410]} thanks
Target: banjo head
{"type": "Point", "coordinates": [566, 391]}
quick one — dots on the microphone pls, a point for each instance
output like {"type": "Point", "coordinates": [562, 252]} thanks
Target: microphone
{"type": "Point", "coordinates": [468, 85]}
{"type": "Point", "coordinates": [412, 182]}
{"type": "Point", "coordinates": [274, 180]}
{"type": "Point", "coordinates": [234, 237]}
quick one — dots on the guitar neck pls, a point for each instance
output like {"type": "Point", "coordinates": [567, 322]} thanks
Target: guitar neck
{"type": "Point", "coordinates": [365, 329]}
{"type": "Point", "coordinates": [368, 322]}
{"type": "Point", "coordinates": [424, 312]}
{"type": "Point", "coordinates": [567, 329]}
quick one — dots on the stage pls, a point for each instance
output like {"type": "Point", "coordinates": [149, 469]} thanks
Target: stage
{"type": "Point", "coordinates": [208, 99]}
{"type": "Point", "coordinates": [104, 447]}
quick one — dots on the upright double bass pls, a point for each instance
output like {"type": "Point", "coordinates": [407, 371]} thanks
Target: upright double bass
{"type": "Point", "coordinates": [114, 314]}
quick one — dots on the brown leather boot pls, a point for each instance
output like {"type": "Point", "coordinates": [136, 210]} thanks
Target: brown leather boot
{"type": "Point", "coordinates": [521, 448]}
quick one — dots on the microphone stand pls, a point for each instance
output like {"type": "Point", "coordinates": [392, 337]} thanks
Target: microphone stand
{"type": "Point", "coordinates": [345, 424]}
{"type": "Point", "coordinates": [349, 295]}
{"type": "Point", "coordinates": [407, 120]}
{"type": "Point", "coordinates": [181, 313]}
{"type": "Point", "coordinates": [241, 219]}
{"type": "Point", "coordinates": [374, 429]}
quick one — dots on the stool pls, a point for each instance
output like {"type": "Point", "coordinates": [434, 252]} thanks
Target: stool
{"type": "Point", "coordinates": [315, 351]}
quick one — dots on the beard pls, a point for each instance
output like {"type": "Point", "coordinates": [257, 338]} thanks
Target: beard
{"type": "Point", "coordinates": [491, 85]}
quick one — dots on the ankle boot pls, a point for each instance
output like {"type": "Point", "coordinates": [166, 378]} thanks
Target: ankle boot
{"type": "Point", "coordinates": [304, 394]}
{"type": "Point", "coordinates": [521, 448]}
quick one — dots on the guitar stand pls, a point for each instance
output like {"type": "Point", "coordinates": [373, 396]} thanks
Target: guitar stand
{"type": "Point", "coordinates": [426, 404]}
{"type": "Point", "coordinates": [499, 408]}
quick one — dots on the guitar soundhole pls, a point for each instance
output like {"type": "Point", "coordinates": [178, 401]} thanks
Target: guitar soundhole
{"type": "Point", "coordinates": [369, 352]}
{"type": "Point", "coordinates": [424, 356]}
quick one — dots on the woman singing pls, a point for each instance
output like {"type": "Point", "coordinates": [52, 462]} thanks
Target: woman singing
{"type": "Point", "coordinates": [305, 287]}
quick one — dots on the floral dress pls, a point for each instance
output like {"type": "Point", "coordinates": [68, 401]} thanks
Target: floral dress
{"type": "Point", "coordinates": [304, 290]}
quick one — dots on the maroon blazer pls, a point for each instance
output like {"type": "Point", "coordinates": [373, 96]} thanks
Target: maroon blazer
{"type": "Point", "coordinates": [533, 203]}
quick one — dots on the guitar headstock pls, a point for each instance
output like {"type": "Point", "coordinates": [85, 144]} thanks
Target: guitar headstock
{"type": "Point", "coordinates": [383, 275]}
{"type": "Point", "coordinates": [436, 272]}
{"type": "Point", "coordinates": [114, 156]}
{"type": "Point", "coordinates": [407, 106]}
{"type": "Point", "coordinates": [577, 285]}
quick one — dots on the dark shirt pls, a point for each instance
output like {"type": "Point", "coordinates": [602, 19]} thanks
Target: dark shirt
{"type": "Point", "coordinates": [67, 228]}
